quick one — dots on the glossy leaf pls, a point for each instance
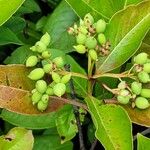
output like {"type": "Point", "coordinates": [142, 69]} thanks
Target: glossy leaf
{"type": "Point", "coordinates": [129, 2]}
{"type": "Point", "coordinates": [8, 8]}
{"type": "Point", "coordinates": [125, 32]}
{"type": "Point", "coordinates": [109, 128]}
{"type": "Point", "coordinates": [17, 138]}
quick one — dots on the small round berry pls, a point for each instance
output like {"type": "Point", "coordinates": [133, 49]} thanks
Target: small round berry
{"type": "Point", "coordinates": [141, 103]}
{"type": "Point", "coordinates": [122, 85]}
{"type": "Point", "coordinates": [83, 30]}
{"type": "Point", "coordinates": [101, 38]}
{"type": "Point", "coordinates": [123, 99]}
{"type": "Point", "coordinates": [90, 42]}
{"type": "Point", "coordinates": [80, 49]}
{"type": "Point", "coordinates": [48, 68]}
{"type": "Point", "coordinates": [41, 86]}
{"type": "Point", "coordinates": [141, 58]}
{"type": "Point", "coordinates": [50, 91]}
{"type": "Point", "coordinates": [88, 19]}
{"type": "Point", "coordinates": [46, 54]}
{"type": "Point", "coordinates": [81, 38]}
{"type": "Point", "coordinates": [65, 79]}
{"type": "Point", "coordinates": [136, 87]}
{"type": "Point", "coordinates": [145, 93]}
{"type": "Point", "coordinates": [59, 61]}
{"type": "Point", "coordinates": [36, 96]}
{"type": "Point", "coordinates": [143, 77]}
{"type": "Point", "coordinates": [146, 67]}
{"type": "Point", "coordinates": [56, 77]}
{"type": "Point", "coordinates": [93, 54]}
{"type": "Point", "coordinates": [36, 74]}
{"type": "Point", "coordinates": [40, 46]}
{"type": "Point", "coordinates": [42, 106]}
{"type": "Point", "coordinates": [124, 93]}
{"type": "Point", "coordinates": [31, 61]}
{"type": "Point", "coordinates": [45, 98]}
{"type": "Point", "coordinates": [46, 39]}
{"type": "Point", "coordinates": [59, 89]}
{"type": "Point", "coordinates": [100, 26]}
{"type": "Point", "coordinates": [33, 48]}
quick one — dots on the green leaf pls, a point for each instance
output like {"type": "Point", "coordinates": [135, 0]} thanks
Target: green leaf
{"type": "Point", "coordinates": [66, 124]}
{"type": "Point", "coordinates": [16, 139]}
{"type": "Point", "coordinates": [57, 24]}
{"type": "Point", "coordinates": [143, 142]}
{"type": "Point", "coordinates": [125, 32]}
{"type": "Point", "coordinates": [8, 8]}
{"type": "Point", "coordinates": [129, 2]}
{"type": "Point", "coordinates": [8, 37]}
{"type": "Point", "coordinates": [110, 131]}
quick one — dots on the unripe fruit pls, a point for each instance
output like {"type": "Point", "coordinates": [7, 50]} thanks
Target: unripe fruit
{"type": "Point", "coordinates": [36, 74]}
{"type": "Point", "coordinates": [100, 26]}
{"type": "Point", "coordinates": [46, 39]}
{"type": "Point", "coordinates": [90, 42]}
{"type": "Point", "coordinates": [146, 67]}
{"type": "Point", "coordinates": [145, 93]}
{"type": "Point", "coordinates": [48, 68]}
{"type": "Point", "coordinates": [80, 49]}
{"type": "Point", "coordinates": [59, 89]}
{"type": "Point", "coordinates": [123, 99]}
{"type": "Point", "coordinates": [36, 96]}
{"type": "Point", "coordinates": [31, 61]}
{"type": "Point", "coordinates": [65, 79]}
{"type": "Point", "coordinates": [93, 54]}
{"type": "Point", "coordinates": [141, 103]}
{"type": "Point", "coordinates": [81, 38]}
{"type": "Point", "coordinates": [56, 77]}
{"type": "Point", "coordinates": [42, 106]}
{"type": "Point", "coordinates": [59, 62]}
{"type": "Point", "coordinates": [40, 46]}
{"type": "Point", "coordinates": [45, 98]}
{"type": "Point", "coordinates": [50, 91]}
{"type": "Point", "coordinates": [101, 38]}
{"type": "Point", "coordinates": [122, 85]}
{"type": "Point", "coordinates": [41, 86]}
{"type": "Point", "coordinates": [88, 19]}
{"type": "Point", "coordinates": [33, 91]}
{"type": "Point", "coordinates": [136, 87]}
{"type": "Point", "coordinates": [46, 54]}
{"type": "Point", "coordinates": [141, 58]}
{"type": "Point", "coordinates": [143, 77]}
{"type": "Point", "coordinates": [83, 30]}
{"type": "Point", "coordinates": [33, 48]}
{"type": "Point", "coordinates": [124, 93]}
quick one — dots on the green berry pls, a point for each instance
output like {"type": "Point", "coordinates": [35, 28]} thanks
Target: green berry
{"type": "Point", "coordinates": [33, 91]}
{"type": "Point", "coordinates": [31, 61]}
{"type": "Point", "coordinates": [46, 54]}
{"type": "Point", "coordinates": [65, 79]}
{"type": "Point", "coordinates": [101, 38]}
{"type": "Point", "coordinates": [33, 48]}
{"type": "Point", "coordinates": [36, 74]}
{"type": "Point", "coordinates": [123, 99]}
{"type": "Point", "coordinates": [146, 67]}
{"type": "Point", "coordinates": [40, 46]}
{"type": "Point", "coordinates": [80, 49]}
{"type": "Point", "coordinates": [100, 26]}
{"type": "Point", "coordinates": [45, 98]}
{"type": "Point", "coordinates": [46, 39]}
{"type": "Point", "coordinates": [141, 103]}
{"type": "Point", "coordinates": [145, 93]}
{"type": "Point", "coordinates": [141, 58]}
{"type": "Point", "coordinates": [83, 30]}
{"type": "Point", "coordinates": [143, 77]}
{"type": "Point", "coordinates": [59, 61]}
{"type": "Point", "coordinates": [59, 89]}
{"type": "Point", "coordinates": [48, 68]}
{"type": "Point", "coordinates": [36, 96]}
{"type": "Point", "coordinates": [93, 54]}
{"type": "Point", "coordinates": [90, 42]}
{"type": "Point", "coordinates": [56, 77]}
{"type": "Point", "coordinates": [136, 87]}
{"type": "Point", "coordinates": [50, 91]}
{"type": "Point", "coordinates": [88, 19]}
{"type": "Point", "coordinates": [80, 38]}
{"type": "Point", "coordinates": [124, 93]}
{"type": "Point", "coordinates": [42, 106]}
{"type": "Point", "coordinates": [41, 86]}
{"type": "Point", "coordinates": [122, 85]}
{"type": "Point", "coordinates": [52, 84]}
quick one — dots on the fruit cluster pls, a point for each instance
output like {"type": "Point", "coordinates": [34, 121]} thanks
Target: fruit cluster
{"type": "Point", "coordinates": [136, 93]}
{"type": "Point", "coordinates": [90, 37]}
{"type": "Point", "coordinates": [42, 57]}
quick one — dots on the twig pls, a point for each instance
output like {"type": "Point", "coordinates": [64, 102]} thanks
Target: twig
{"type": "Point", "coordinates": [76, 112]}
{"type": "Point", "coordinates": [94, 144]}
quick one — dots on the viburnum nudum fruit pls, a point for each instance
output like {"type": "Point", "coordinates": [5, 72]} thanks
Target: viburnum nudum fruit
{"type": "Point", "coordinates": [59, 89]}
{"type": "Point", "coordinates": [42, 105]}
{"type": "Point", "coordinates": [90, 42]}
{"type": "Point", "coordinates": [145, 93]}
{"type": "Point", "coordinates": [124, 93]}
{"type": "Point", "coordinates": [46, 39]}
{"type": "Point", "coordinates": [59, 62]}
{"type": "Point", "coordinates": [80, 49]}
{"type": "Point", "coordinates": [143, 77]}
{"type": "Point", "coordinates": [93, 54]}
{"type": "Point", "coordinates": [141, 58]}
{"type": "Point", "coordinates": [141, 103]}
{"type": "Point", "coordinates": [101, 38]}
{"type": "Point", "coordinates": [122, 85]}
{"type": "Point", "coordinates": [83, 30]}
{"type": "Point", "coordinates": [48, 68]}
{"type": "Point", "coordinates": [81, 38]}
{"type": "Point", "coordinates": [31, 61]}
{"type": "Point", "coordinates": [45, 98]}
{"type": "Point", "coordinates": [36, 74]}
{"type": "Point", "coordinates": [56, 77]}
{"type": "Point", "coordinates": [36, 96]}
{"type": "Point", "coordinates": [50, 91]}
{"type": "Point", "coordinates": [88, 19]}
{"type": "Point", "coordinates": [100, 26]}
{"type": "Point", "coordinates": [40, 46]}
{"type": "Point", "coordinates": [46, 54]}
{"type": "Point", "coordinates": [41, 86]}
{"type": "Point", "coordinates": [123, 99]}
{"type": "Point", "coordinates": [65, 79]}
{"type": "Point", "coordinates": [146, 67]}
{"type": "Point", "coordinates": [136, 87]}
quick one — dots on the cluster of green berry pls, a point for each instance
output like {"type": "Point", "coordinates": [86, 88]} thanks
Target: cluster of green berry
{"type": "Point", "coordinates": [42, 57]}
{"type": "Point", "coordinates": [90, 37]}
{"type": "Point", "coordinates": [136, 93]}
